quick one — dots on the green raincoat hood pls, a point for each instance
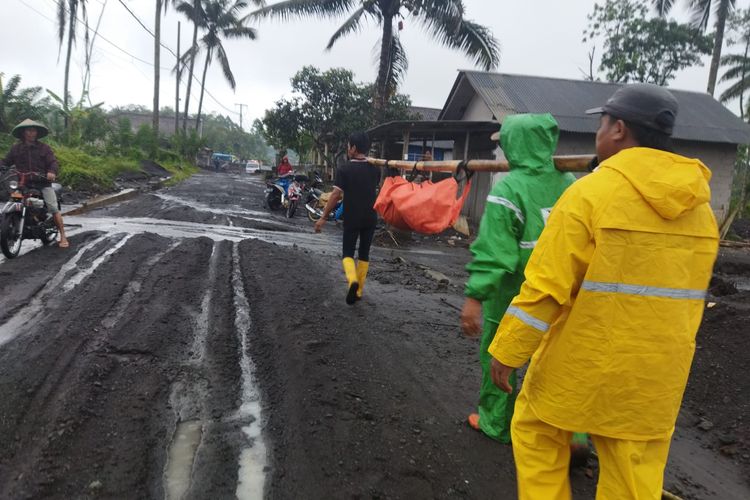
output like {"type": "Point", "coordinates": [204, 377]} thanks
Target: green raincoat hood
{"type": "Point", "coordinates": [529, 141]}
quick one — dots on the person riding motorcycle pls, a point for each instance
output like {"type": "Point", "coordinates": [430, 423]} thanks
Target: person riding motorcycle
{"type": "Point", "coordinates": [284, 167]}
{"type": "Point", "coordinates": [31, 156]}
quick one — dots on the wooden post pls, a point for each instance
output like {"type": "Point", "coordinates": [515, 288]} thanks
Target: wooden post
{"type": "Point", "coordinates": [405, 149]}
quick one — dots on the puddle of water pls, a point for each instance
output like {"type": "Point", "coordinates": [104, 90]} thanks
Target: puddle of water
{"type": "Point", "coordinates": [182, 450]}
{"type": "Point", "coordinates": [202, 320]}
{"type": "Point", "coordinates": [202, 207]}
{"type": "Point", "coordinates": [253, 459]}
{"type": "Point", "coordinates": [179, 229]}
{"type": "Point", "coordinates": [742, 283]}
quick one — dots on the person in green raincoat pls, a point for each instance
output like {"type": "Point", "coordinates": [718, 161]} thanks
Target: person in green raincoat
{"type": "Point", "coordinates": [514, 217]}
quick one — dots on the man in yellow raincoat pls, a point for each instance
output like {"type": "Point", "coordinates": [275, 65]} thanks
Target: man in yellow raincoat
{"type": "Point", "coordinates": [612, 301]}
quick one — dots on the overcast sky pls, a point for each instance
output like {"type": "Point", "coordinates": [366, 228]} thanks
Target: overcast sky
{"type": "Point", "coordinates": [537, 37]}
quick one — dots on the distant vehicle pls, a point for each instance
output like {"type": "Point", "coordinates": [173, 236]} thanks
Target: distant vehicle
{"type": "Point", "coordinates": [203, 158]}
{"type": "Point", "coordinates": [252, 167]}
{"type": "Point", "coordinates": [220, 161]}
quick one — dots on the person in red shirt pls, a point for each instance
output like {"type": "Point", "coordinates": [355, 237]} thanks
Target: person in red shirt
{"type": "Point", "coordinates": [284, 167]}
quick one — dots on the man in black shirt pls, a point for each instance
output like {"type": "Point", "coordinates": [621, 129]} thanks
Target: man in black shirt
{"type": "Point", "coordinates": [359, 181]}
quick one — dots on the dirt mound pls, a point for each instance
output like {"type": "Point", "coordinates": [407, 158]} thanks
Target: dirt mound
{"type": "Point", "coordinates": [718, 391]}
{"type": "Point", "coordinates": [721, 287]}
{"type": "Point", "coordinates": [153, 169]}
{"type": "Point", "coordinates": [741, 228]}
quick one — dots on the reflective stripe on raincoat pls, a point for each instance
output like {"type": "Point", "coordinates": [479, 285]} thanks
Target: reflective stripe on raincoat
{"type": "Point", "coordinates": [613, 297]}
{"type": "Point", "coordinates": [515, 213]}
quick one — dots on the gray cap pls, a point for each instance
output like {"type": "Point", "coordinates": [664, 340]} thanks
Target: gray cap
{"type": "Point", "coordinates": [644, 104]}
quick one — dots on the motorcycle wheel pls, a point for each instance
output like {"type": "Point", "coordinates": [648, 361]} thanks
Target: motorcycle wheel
{"type": "Point", "coordinates": [291, 209]}
{"type": "Point", "coordinates": [10, 237]}
{"type": "Point", "coordinates": [49, 236]}
{"type": "Point", "coordinates": [313, 216]}
{"type": "Point", "coordinates": [273, 202]}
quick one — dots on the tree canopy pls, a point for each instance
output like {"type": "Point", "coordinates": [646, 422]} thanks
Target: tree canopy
{"type": "Point", "coordinates": [442, 20]}
{"type": "Point", "coordinates": [642, 49]}
{"type": "Point", "coordinates": [737, 65]}
{"type": "Point", "coordinates": [325, 108]}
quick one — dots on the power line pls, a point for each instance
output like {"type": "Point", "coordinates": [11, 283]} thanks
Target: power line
{"type": "Point", "coordinates": [145, 28]}
{"type": "Point", "coordinates": [151, 64]}
{"type": "Point", "coordinates": [99, 35]}
{"type": "Point", "coordinates": [175, 55]}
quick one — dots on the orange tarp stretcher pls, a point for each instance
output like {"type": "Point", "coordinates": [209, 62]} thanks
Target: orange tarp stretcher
{"type": "Point", "coordinates": [431, 208]}
{"type": "Point", "coordinates": [427, 207]}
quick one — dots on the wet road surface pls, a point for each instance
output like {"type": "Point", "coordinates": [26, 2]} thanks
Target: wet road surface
{"type": "Point", "coordinates": [191, 345]}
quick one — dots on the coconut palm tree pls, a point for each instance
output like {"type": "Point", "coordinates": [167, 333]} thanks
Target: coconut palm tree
{"type": "Point", "coordinates": [738, 65]}
{"type": "Point", "coordinates": [700, 13]}
{"type": "Point", "coordinates": [193, 10]}
{"type": "Point", "coordinates": [442, 19]}
{"type": "Point", "coordinates": [67, 21]}
{"type": "Point", "coordinates": [161, 6]}
{"type": "Point", "coordinates": [220, 21]}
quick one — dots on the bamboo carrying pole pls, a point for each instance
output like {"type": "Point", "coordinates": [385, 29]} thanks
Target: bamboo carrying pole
{"type": "Point", "coordinates": [572, 163]}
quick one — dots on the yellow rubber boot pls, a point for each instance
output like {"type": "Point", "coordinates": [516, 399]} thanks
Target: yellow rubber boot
{"type": "Point", "coordinates": [351, 278]}
{"type": "Point", "coordinates": [362, 267]}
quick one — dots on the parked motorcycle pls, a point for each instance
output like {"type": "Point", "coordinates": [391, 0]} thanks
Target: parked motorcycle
{"type": "Point", "coordinates": [25, 215]}
{"type": "Point", "coordinates": [316, 202]}
{"type": "Point", "coordinates": [285, 193]}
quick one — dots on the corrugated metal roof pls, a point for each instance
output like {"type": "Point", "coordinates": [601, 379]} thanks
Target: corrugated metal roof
{"type": "Point", "coordinates": [700, 118]}
{"type": "Point", "coordinates": [426, 114]}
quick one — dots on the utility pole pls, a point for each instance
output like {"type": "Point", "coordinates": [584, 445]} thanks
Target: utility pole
{"type": "Point", "coordinates": [241, 106]}
{"type": "Point", "coordinates": [177, 91]}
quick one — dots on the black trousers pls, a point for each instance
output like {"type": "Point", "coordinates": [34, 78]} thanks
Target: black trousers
{"type": "Point", "coordinates": [351, 235]}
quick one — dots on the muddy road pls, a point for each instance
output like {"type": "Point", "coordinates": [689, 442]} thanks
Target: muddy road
{"type": "Point", "coordinates": [191, 345]}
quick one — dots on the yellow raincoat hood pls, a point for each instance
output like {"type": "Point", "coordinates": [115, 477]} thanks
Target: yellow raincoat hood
{"type": "Point", "coordinates": [670, 184]}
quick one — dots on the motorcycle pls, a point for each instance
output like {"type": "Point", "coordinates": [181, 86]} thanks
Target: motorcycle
{"type": "Point", "coordinates": [25, 215]}
{"type": "Point", "coordinates": [316, 202]}
{"type": "Point", "coordinates": [285, 192]}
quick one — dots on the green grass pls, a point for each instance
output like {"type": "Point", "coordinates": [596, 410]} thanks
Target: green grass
{"type": "Point", "coordinates": [180, 171]}
{"type": "Point", "coordinates": [83, 172]}
{"type": "Point", "coordinates": [80, 171]}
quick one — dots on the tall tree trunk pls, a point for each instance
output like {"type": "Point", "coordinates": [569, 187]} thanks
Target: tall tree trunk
{"type": "Point", "coordinates": [744, 79]}
{"type": "Point", "coordinates": [721, 21]}
{"type": "Point", "coordinates": [157, 62]}
{"type": "Point", "coordinates": [203, 88]}
{"type": "Point", "coordinates": [385, 67]}
{"type": "Point", "coordinates": [71, 33]}
{"type": "Point", "coordinates": [196, 4]}
{"type": "Point", "coordinates": [177, 90]}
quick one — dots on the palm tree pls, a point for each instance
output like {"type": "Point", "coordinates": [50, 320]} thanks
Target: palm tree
{"type": "Point", "coordinates": [220, 21]}
{"type": "Point", "coordinates": [161, 5]}
{"type": "Point", "coordinates": [193, 10]}
{"type": "Point", "coordinates": [67, 19]}
{"type": "Point", "coordinates": [700, 13]}
{"type": "Point", "coordinates": [442, 19]}
{"type": "Point", "coordinates": [17, 103]}
{"type": "Point", "coordinates": [738, 65]}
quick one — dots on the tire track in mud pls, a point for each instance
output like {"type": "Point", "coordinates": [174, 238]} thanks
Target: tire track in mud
{"type": "Point", "coordinates": [356, 402]}
{"type": "Point", "coordinates": [92, 394]}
